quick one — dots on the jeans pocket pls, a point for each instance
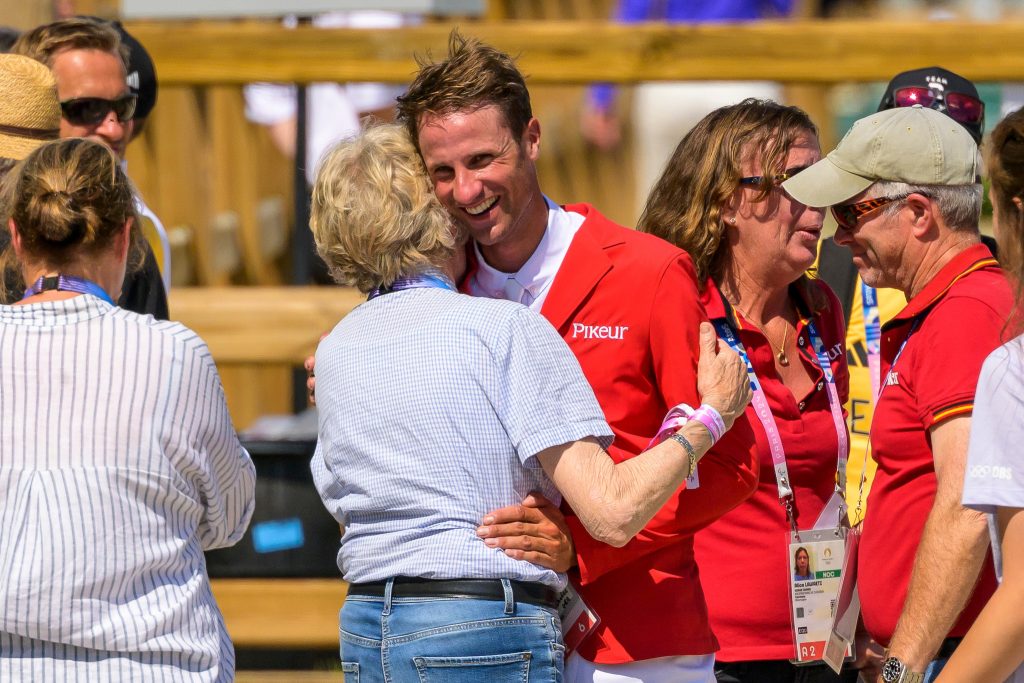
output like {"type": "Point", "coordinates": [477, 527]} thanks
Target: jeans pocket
{"type": "Point", "coordinates": [350, 672]}
{"type": "Point", "coordinates": [513, 667]}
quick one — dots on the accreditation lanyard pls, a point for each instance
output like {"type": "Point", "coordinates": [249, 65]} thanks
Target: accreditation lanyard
{"type": "Point", "coordinates": [872, 334]}
{"type": "Point", "coordinates": [771, 430]}
{"type": "Point", "coordinates": [67, 283]}
{"type": "Point", "coordinates": [423, 281]}
{"type": "Point", "coordinates": [878, 397]}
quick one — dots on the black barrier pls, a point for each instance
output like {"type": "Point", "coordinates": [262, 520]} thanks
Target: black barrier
{"type": "Point", "coordinates": [291, 534]}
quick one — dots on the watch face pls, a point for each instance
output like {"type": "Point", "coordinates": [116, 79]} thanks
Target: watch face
{"type": "Point", "coordinates": [891, 670]}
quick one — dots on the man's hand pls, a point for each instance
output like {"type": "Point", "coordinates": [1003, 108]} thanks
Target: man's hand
{"type": "Point", "coordinates": [534, 530]}
{"type": "Point", "coordinates": [869, 657]}
{"type": "Point", "coordinates": [310, 365]}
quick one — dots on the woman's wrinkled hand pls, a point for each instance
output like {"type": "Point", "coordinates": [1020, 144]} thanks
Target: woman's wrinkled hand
{"type": "Point", "coordinates": [721, 376]}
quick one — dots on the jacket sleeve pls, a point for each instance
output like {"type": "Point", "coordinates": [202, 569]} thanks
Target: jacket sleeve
{"type": "Point", "coordinates": [727, 474]}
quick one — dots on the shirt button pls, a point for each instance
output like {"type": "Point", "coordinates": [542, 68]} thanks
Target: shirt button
{"type": "Point", "coordinates": [820, 385]}
{"type": "Point", "coordinates": [802, 404]}
{"type": "Point", "coordinates": [800, 341]}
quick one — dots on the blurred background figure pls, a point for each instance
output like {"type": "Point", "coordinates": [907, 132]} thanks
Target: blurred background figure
{"type": "Point", "coordinates": [991, 650]}
{"type": "Point", "coordinates": [143, 84]}
{"type": "Point", "coordinates": [334, 110]}
{"type": "Point", "coordinates": [719, 199]}
{"type": "Point", "coordinates": [663, 112]}
{"type": "Point", "coordinates": [109, 495]}
{"type": "Point", "coordinates": [89, 63]}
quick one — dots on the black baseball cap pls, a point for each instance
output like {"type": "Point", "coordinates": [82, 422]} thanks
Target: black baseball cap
{"type": "Point", "coordinates": [141, 73]}
{"type": "Point", "coordinates": [939, 89]}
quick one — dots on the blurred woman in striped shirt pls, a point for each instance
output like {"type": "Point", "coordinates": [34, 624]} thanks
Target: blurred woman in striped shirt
{"type": "Point", "coordinates": [118, 461]}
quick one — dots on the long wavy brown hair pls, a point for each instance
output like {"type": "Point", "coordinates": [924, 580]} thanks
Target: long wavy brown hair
{"type": "Point", "coordinates": [685, 207]}
{"type": "Point", "coordinates": [1005, 160]}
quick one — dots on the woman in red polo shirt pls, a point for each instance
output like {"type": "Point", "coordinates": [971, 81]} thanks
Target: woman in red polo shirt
{"type": "Point", "coordinates": [719, 199]}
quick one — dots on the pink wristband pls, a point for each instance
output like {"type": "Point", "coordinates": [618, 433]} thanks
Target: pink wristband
{"type": "Point", "coordinates": [681, 414]}
{"type": "Point", "coordinates": [710, 418]}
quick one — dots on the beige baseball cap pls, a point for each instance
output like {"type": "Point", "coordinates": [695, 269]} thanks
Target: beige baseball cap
{"type": "Point", "coordinates": [912, 145]}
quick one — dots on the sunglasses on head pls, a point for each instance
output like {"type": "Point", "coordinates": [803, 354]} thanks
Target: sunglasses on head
{"type": "Point", "coordinates": [91, 111]}
{"type": "Point", "coordinates": [847, 215]}
{"type": "Point", "coordinates": [959, 106]}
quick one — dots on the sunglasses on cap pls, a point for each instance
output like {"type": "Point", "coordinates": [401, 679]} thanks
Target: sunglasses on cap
{"type": "Point", "coordinates": [91, 111]}
{"type": "Point", "coordinates": [847, 215]}
{"type": "Point", "coordinates": [959, 106]}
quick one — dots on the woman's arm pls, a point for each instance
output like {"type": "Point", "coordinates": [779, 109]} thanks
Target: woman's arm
{"type": "Point", "coordinates": [994, 647]}
{"type": "Point", "coordinates": [615, 501]}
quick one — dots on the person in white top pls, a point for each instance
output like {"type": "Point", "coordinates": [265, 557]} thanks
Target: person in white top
{"type": "Point", "coordinates": [119, 465]}
{"type": "Point", "coordinates": [993, 650]}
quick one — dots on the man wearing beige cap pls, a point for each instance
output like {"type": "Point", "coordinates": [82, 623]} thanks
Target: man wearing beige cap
{"type": "Point", "coordinates": [904, 188]}
{"type": "Point", "coordinates": [29, 116]}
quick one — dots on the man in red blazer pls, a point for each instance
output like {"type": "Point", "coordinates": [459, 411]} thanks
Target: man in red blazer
{"type": "Point", "coordinates": [627, 305]}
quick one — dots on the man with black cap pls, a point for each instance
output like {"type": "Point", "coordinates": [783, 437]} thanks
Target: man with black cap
{"type": "Point", "coordinates": [88, 63]}
{"type": "Point", "coordinates": [955, 96]}
{"type": "Point", "coordinates": [142, 82]}
{"type": "Point", "coordinates": [904, 188]}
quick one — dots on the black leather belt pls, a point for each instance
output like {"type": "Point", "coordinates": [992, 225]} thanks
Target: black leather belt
{"type": "Point", "coordinates": [480, 589]}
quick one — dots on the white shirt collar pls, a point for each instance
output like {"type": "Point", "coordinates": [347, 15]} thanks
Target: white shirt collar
{"type": "Point", "coordinates": [540, 269]}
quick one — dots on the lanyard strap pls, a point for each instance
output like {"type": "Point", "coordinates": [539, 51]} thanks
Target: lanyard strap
{"type": "Point", "coordinates": [878, 397]}
{"type": "Point", "coordinates": [872, 334]}
{"type": "Point", "coordinates": [834, 406]}
{"type": "Point", "coordinates": [771, 429]}
{"type": "Point", "coordinates": [430, 279]}
{"type": "Point", "coordinates": [67, 283]}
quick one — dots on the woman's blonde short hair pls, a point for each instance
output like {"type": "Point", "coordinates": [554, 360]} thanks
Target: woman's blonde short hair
{"type": "Point", "coordinates": [375, 217]}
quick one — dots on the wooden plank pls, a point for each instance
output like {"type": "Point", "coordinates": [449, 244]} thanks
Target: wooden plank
{"type": "Point", "coordinates": [281, 613]}
{"type": "Point", "coordinates": [552, 51]}
{"type": "Point", "coordinates": [262, 324]}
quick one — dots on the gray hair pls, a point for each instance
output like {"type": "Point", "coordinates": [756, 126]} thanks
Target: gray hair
{"type": "Point", "coordinates": [958, 205]}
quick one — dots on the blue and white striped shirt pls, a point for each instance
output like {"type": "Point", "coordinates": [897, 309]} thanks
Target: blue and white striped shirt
{"type": "Point", "coordinates": [432, 407]}
{"type": "Point", "coordinates": [118, 467]}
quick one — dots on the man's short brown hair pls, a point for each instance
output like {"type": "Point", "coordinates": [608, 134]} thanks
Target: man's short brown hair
{"type": "Point", "coordinates": [473, 76]}
{"type": "Point", "coordinates": [79, 33]}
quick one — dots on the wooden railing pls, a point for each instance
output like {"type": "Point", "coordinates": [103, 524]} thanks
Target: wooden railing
{"type": "Point", "coordinates": [577, 52]}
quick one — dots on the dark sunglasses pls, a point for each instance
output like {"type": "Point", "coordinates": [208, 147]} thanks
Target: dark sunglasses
{"type": "Point", "coordinates": [959, 106]}
{"type": "Point", "coordinates": [90, 111]}
{"type": "Point", "coordinates": [772, 180]}
{"type": "Point", "coordinates": [847, 215]}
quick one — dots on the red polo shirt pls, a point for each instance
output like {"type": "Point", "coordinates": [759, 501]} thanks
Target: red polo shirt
{"type": "Point", "coordinates": [743, 557]}
{"type": "Point", "coordinates": [962, 312]}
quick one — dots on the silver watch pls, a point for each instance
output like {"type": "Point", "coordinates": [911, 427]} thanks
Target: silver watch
{"type": "Point", "coordinates": [895, 671]}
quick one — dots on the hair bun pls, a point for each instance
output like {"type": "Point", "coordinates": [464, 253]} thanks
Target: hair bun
{"type": "Point", "coordinates": [60, 218]}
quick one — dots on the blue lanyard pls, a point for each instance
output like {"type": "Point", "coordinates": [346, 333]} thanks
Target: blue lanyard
{"type": "Point", "coordinates": [67, 283]}
{"type": "Point", "coordinates": [426, 280]}
{"type": "Point", "coordinates": [764, 413]}
{"type": "Point", "coordinates": [872, 334]}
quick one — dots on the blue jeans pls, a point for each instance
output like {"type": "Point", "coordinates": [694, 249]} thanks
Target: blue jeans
{"type": "Point", "coordinates": [449, 640]}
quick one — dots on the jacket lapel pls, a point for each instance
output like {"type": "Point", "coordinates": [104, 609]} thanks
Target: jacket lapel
{"type": "Point", "coordinates": [585, 264]}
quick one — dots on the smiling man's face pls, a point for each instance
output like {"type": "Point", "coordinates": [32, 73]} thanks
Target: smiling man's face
{"type": "Point", "coordinates": [483, 175]}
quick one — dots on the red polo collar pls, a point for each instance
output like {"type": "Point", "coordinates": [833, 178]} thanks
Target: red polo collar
{"type": "Point", "coordinates": [969, 260]}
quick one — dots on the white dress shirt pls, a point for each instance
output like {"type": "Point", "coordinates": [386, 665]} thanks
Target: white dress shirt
{"type": "Point", "coordinates": [531, 283]}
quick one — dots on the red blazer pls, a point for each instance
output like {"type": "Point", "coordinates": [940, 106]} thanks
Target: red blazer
{"type": "Point", "coordinates": [626, 303]}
